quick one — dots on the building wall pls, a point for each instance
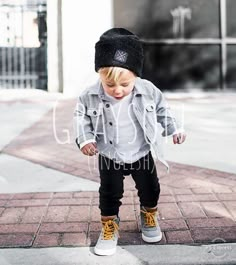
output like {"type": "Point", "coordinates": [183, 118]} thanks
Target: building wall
{"type": "Point", "coordinates": [82, 24]}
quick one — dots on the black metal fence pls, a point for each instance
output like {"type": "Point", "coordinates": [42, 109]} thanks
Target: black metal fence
{"type": "Point", "coordinates": [23, 44]}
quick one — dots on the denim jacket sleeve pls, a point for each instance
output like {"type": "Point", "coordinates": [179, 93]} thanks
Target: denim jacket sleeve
{"type": "Point", "coordinates": [82, 123]}
{"type": "Point", "coordinates": [164, 115]}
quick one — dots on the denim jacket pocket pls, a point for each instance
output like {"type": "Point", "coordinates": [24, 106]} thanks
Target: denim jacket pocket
{"type": "Point", "coordinates": [150, 122]}
{"type": "Point", "coordinates": [96, 119]}
{"type": "Point", "coordinates": [150, 113]}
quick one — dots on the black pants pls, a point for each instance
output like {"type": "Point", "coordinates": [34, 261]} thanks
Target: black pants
{"type": "Point", "coordinates": [112, 175]}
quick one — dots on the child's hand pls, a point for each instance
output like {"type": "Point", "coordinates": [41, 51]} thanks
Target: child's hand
{"type": "Point", "coordinates": [179, 138]}
{"type": "Point", "coordinates": [90, 149]}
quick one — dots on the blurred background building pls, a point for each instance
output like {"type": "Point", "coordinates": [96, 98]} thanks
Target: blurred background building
{"type": "Point", "coordinates": [49, 44]}
{"type": "Point", "coordinates": [23, 44]}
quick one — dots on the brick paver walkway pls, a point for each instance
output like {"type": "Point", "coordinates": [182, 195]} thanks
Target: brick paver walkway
{"type": "Point", "coordinates": [196, 205]}
{"type": "Point", "coordinates": [72, 219]}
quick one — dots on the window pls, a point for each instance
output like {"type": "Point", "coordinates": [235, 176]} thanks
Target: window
{"type": "Point", "coordinates": [188, 43]}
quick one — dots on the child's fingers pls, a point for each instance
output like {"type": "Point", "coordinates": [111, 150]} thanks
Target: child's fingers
{"type": "Point", "coordinates": [181, 138]}
{"type": "Point", "coordinates": [94, 144]}
{"type": "Point", "coordinates": [175, 139]}
{"type": "Point", "coordinates": [91, 150]}
{"type": "Point", "coordinates": [87, 150]}
{"type": "Point", "coordinates": [95, 148]}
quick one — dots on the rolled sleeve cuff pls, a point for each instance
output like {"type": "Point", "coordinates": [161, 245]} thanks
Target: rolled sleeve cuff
{"type": "Point", "coordinates": [86, 142]}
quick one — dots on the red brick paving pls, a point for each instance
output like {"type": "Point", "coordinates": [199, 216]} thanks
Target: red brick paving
{"type": "Point", "coordinates": [196, 205]}
{"type": "Point", "coordinates": [76, 222]}
{"type": "Point", "coordinates": [178, 237]}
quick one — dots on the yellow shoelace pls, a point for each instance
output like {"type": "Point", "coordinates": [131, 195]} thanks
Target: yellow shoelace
{"type": "Point", "coordinates": [109, 228]}
{"type": "Point", "coordinates": [150, 218]}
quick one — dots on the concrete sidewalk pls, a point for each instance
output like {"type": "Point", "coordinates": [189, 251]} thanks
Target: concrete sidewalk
{"type": "Point", "coordinates": [126, 255]}
{"type": "Point", "coordinates": [49, 198]}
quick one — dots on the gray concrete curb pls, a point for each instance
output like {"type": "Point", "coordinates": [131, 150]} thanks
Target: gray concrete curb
{"type": "Point", "coordinates": [136, 255]}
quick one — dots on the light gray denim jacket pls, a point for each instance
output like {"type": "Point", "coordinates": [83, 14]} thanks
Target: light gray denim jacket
{"type": "Point", "coordinates": [149, 106]}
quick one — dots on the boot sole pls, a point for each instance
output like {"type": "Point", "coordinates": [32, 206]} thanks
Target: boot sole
{"type": "Point", "coordinates": [104, 252]}
{"type": "Point", "coordinates": [151, 239]}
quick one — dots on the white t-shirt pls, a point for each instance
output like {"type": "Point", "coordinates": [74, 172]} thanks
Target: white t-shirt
{"type": "Point", "coordinates": [129, 141]}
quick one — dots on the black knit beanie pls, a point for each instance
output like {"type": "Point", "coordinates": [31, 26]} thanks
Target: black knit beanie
{"type": "Point", "coordinates": [119, 47]}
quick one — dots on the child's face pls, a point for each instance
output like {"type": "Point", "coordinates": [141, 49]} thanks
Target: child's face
{"type": "Point", "coordinates": [122, 87]}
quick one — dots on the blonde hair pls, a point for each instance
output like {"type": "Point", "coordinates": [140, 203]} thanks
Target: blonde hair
{"type": "Point", "coordinates": [111, 73]}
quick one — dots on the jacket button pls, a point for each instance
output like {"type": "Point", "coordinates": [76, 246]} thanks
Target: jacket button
{"type": "Point", "coordinates": [107, 105]}
{"type": "Point", "coordinates": [110, 142]}
{"type": "Point", "coordinates": [110, 123]}
{"type": "Point", "coordinates": [94, 112]}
